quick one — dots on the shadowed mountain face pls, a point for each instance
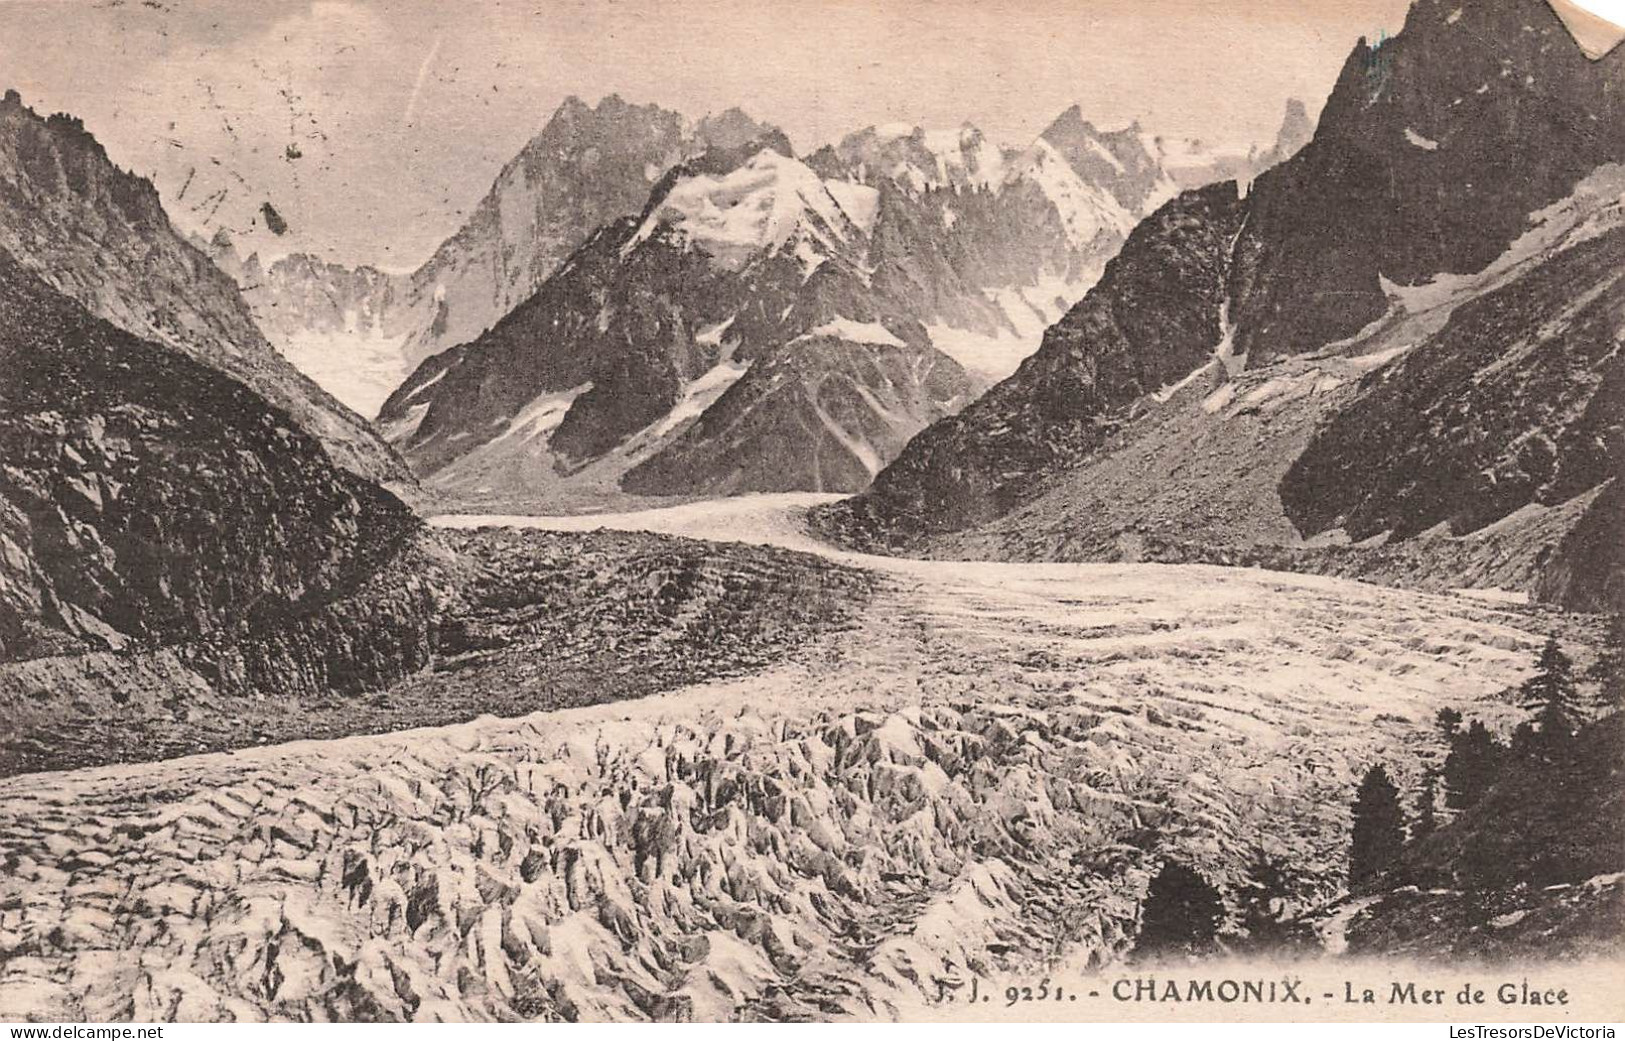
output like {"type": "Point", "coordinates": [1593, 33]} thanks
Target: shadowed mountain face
{"type": "Point", "coordinates": [735, 258]}
{"type": "Point", "coordinates": [361, 331]}
{"type": "Point", "coordinates": [1117, 160]}
{"type": "Point", "coordinates": [148, 500]}
{"type": "Point", "coordinates": [822, 413]}
{"type": "Point", "coordinates": [772, 324]}
{"type": "Point", "coordinates": [1432, 155]}
{"type": "Point", "coordinates": [978, 464]}
{"type": "Point", "coordinates": [100, 236]}
{"type": "Point", "coordinates": [1469, 438]}
{"type": "Point", "coordinates": [1519, 399]}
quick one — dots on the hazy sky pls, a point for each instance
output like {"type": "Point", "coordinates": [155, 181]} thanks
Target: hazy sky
{"type": "Point", "coordinates": [401, 113]}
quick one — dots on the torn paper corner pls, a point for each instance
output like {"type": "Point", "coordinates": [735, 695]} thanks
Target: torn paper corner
{"type": "Point", "coordinates": [1596, 25]}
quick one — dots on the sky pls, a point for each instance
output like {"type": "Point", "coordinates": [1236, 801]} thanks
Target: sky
{"type": "Point", "coordinates": [374, 126]}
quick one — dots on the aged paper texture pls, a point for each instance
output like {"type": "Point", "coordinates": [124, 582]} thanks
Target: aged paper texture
{"type": "Point", "coordinates": [854, 510]}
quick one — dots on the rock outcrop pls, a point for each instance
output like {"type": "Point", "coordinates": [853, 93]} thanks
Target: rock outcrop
{"type": "Point", "coordinates": [148, 501]}
{"type": "Point", "coordinates": [100, 236]}
{"type": "Point", "coordinates": [1457, 194]}
{"type": "Point", "coordinates": [769, 323]}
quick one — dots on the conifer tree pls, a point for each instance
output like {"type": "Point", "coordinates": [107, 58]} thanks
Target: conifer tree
{"type": "Point", "coordinates": [1262, 900]}
{"type": "Point", "coordinates": [1553, 698]}
{"type": "Point", "coordinates": [1181, 914]}
{"type": "Point", "coordinates": [1379, 830]}
{"type": "Point", "coordinates": [1474, 762]}
{"type": "Point", "coordinates": [1426, 820]}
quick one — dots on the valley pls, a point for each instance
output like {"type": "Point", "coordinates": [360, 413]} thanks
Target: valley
{"type": "Point", "coordinates": [679, 567]}
{"type": "Point", "coordinates": [975, 776]}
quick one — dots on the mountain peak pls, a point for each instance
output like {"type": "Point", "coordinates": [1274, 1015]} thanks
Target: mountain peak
{"type": "Point", "coordinates": [756, 207]}
{"type": "Point", "coordinates": [570, 107]}
{"type": "Point", "coordinates": [100, 236]}
{"type": "Point", "coordinates": [1120, 161]}
{"type": "Point", "coordinates": [1397, 171]}
{"type": "Point", "coordinates": [913, 157]}
{"type": "Point", "coordinates": [611, 107]}
{"type": "Point", "coordinates": [1296, 131]}
{"type": "Point", "coordinates": [732, 128]}
{"type": "Point", "coordinates": [1068, 124]}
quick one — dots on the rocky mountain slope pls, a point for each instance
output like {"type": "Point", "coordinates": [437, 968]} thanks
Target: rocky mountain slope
{"type": "Point", "coordinates": [151, 506]}
{"type": "Point", "coordinates": [991, 245]}
{"type": "Point", "coordinates": [1367, 243]}
{"type": "Point", "coordinates": [522, 623]}
{"type": "Point", "coordinates": [1151, 319]}
{"type": "Point", "coordinates": [100, 236]}
{"type": "Point", "coordinates": [360, 331]}
{"type": "Point", "coordinates": [772, 324]}
{"type": "Point", "coordinates": [1519, 400]}
{"type": "Point", "coordinates": [1277, 465]}
{"type": "Point", "coordinates": [658, 317]}
{"type": "Point", "coordinates": [587, 167]}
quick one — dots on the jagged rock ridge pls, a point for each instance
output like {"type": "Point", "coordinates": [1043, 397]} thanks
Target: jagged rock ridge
{"type": "Point", "coordinates": [148, 501]}
{"type": "Point", "coordinates": [1406, 190]}
{"type": "Point", "coordinates": [736, 257]}
{"type": "Point", "coordinates": [100, 235]}
{"type": "Point", "coordinates": [884, 278]}
{"type": "Point", "coordinates": [587, 166]}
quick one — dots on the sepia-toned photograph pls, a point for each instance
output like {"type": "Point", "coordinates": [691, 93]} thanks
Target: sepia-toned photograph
{"type": "Point", "coordinates": [837, 511]}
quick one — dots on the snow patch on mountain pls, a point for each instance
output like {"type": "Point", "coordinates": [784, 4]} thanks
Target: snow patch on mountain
{"type": "Point", "coordinates": [859, 202]}
{"type": "Point", "coordinates": [861, 449]}
{"type": "Point", "coordinates": [399, 430]}
{"type": "Point", "coordinates": [966, 153]}
{"type": "Point", "coordinates": [754, 209]}
{"type": "Point", "coordinates": [1087, 211]}
{"type": "Point", "coordinates": [712, 335]}
{"type": "Point", "coordinates": [855, 332]}
{"type": "Point", "coordinates": [1425, 144]}
{"type": "Point", "coordinates": [699, 394]}
{"type": "Point", "coordinates": [918, 159]}
{"type": "Point", "coordinates": [543, 415]}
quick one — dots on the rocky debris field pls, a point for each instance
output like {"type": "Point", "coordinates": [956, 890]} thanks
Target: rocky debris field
{"type": "Point", "coordinates": [980, 775]}
{"type": "Point", "coordinates": [525, 622]}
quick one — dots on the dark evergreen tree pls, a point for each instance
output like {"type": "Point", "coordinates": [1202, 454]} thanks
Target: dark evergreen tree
{"type": "Point", "coordinates": [1426, 820]}
{"type": "Point", "coordinates": [1449, 720]}
{"type": "Point", "coordinates": [1554, 699]}
{"type": "Point", "coordinates": [1379, 830]}
{"type": "Point", "coordinates": [1263, 902]}
{"type": "Point", "coordinates": [1474, 762]}
{"type": "Point", "coordinates": [1609, 674]}
{"type": "Point", "coordinates": [1181, 914]}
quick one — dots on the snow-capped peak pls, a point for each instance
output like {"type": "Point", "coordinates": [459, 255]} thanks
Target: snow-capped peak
{"type": "Point", "coordinates": [1086, 210]}
{"type": "Point", "coordinates": [754, 209]}
{"type": "Point", "coordinates": [919, 159]}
